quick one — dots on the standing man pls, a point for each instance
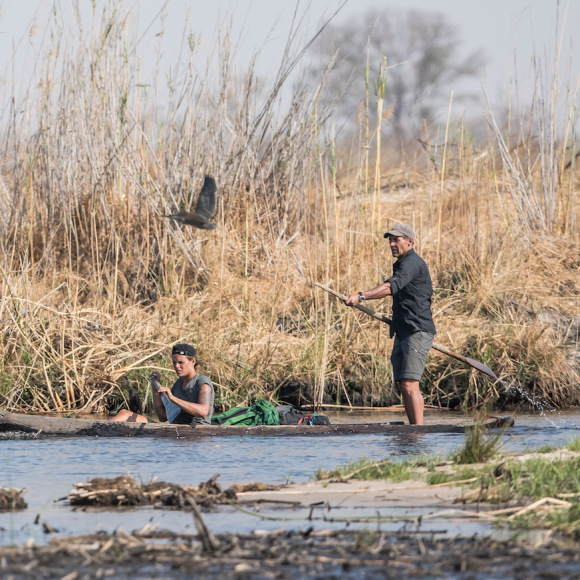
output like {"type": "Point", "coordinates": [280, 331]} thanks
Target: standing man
{"type": "Point", "coordinates": [413, 327]}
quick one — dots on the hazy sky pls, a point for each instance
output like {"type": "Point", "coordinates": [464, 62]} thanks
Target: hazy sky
{"type": "Point", "coordinates": [495, 27]}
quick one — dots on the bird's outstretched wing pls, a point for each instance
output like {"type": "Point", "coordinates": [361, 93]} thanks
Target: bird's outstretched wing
{"type": "Point", "coordinates": [206, 202]}
{"type": "Point", "coordinates": [177, 216]}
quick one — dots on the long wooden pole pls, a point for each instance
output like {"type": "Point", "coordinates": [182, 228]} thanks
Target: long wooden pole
{"type": "Point", "coordinates": [382, 318]}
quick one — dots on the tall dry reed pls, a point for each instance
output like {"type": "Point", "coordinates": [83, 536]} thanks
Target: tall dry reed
{"type": "Point", "coordinates": [96, 284]}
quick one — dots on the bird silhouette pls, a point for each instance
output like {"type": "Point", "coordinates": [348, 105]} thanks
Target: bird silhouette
{"type": "Point", "coordinates": [204, 209]}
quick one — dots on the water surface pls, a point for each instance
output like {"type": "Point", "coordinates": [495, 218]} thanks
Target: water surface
{"type": "Point", "coordinates": [48, 468]}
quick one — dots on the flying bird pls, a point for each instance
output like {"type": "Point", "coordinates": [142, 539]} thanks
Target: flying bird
{"type": "Point", "coordinates": [204, 209]}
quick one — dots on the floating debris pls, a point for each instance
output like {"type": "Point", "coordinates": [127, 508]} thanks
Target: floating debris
{"type": "Point", "coordinates": [48, 529]}
{"type": "Point", "coordinates": [126, 491]}
{"type": "Point", "coordinates": [362, 554]}
{"type": "Point", "coordinates": [11, 499]}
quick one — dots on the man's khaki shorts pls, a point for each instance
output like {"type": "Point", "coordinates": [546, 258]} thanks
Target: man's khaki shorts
{"type": "Point", "coordinates": [410, 355]}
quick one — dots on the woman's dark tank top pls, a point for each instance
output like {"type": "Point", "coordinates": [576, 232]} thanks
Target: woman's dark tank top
{"type": "Point", "coordinates": [190, 393]}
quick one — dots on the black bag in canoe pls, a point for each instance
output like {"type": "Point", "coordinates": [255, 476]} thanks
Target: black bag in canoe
{"type": "Point", "coordinates": [291, 416]}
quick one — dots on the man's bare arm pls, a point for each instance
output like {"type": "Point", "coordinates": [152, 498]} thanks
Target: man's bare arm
{"type": "Point", "coordinates": [376, 293]}
{"type": "Point", "coordinates": [200, 409]}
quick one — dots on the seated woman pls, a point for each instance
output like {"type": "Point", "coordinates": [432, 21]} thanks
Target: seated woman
{"type": "Point", "coordinates": [188, 402]}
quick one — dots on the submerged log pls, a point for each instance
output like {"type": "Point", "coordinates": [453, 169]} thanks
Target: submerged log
{"type": "Point", "coordinates": [59, 426]}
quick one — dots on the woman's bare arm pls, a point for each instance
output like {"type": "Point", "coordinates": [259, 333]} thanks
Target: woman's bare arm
{"type": "Point", "coordinates": [159, 407]}
{"type": "Point", "coordinates": [154, 378]}
{"type": "Point", "coordinates": [200, 409]}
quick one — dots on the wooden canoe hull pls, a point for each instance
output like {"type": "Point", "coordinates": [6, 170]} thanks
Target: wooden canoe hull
{"type": "Point", "coordinates": [58, 426]}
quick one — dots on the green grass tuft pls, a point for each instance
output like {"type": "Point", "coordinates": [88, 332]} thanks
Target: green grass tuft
{"type": "Point", "coordinates": [459, 475]}
{"type": "Point", "coordinates": [480, 444]}
{"type": "Point", "coordinates": [370, 469]}
{"type": "Point", "coordinates": [545, 449]}
{"type": "Point", "coordinates": [538, 478]}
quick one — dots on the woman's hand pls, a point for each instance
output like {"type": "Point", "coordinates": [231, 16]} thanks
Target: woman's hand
{"type": "Point", "coordinates": [165, 391]}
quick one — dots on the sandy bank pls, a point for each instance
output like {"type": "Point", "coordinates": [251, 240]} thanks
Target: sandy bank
{"type": "Point", "coordinates": [376, 494]}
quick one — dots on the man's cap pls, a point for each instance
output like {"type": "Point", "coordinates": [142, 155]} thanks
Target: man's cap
{"type": "Point", "coordinates": [183, 349]}
{"type": "Point", "coordinates": [401, 230]}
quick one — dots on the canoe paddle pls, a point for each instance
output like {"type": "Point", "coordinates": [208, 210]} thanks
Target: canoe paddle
{"type": "Point", "coordinates": [382, 318]}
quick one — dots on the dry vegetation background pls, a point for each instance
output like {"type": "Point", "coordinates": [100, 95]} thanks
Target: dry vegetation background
{"type": "Point", "coordinates": [97, 285]}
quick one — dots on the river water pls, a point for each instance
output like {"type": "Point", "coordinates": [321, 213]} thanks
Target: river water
{"type": "Point", "coordinates": [48, 468]}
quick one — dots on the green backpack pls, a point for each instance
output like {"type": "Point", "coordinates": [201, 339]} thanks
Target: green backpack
{"type": "Point", "coordinates": [260, 413]}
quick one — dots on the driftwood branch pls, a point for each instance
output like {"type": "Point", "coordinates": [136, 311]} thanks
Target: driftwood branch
{"type": "Point", "coordinates": [209, 541]}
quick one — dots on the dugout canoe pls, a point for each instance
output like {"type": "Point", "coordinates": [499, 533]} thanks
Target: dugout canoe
{"type": "Point", "coordinates": [68, 427]}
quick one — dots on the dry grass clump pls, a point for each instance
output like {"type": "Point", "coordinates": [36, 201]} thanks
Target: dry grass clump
{"type": "Point", "coordinates": [11, 499]}
{"type": "Point", "coordinates": [96, 285]}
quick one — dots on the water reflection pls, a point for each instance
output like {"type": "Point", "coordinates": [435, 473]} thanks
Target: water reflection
{"type": "Point", "coordinates": [408, 444]}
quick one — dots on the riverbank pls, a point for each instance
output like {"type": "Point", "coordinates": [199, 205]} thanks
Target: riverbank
{"type": "Point", "coordinates": [535, 490]}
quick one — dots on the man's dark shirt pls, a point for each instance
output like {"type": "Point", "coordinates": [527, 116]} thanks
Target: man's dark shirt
{"type": "Point", "coordinates": [412, 291]}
